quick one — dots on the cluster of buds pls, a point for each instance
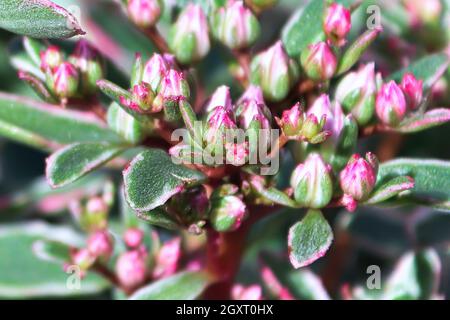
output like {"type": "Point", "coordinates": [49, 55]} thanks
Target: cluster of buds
{"type": "Point", "coordinates": [274, 72]}
{"type": "Point", "coordinates": [132, 267]}
{"type": "Point", "coordinates": [393, 101]}
{"type": "Point", "coordinates": [319, 61]}
{"type": "Point", "coordinates": [235, 25]}
{"type": "Point", "coordinates": [298, 125]}
{"type": "Point", "coordinates": [144, 13]}
{"type": "Point", "coordinates": [188, 37]}
{"type": "Point", "coordinates": [312, 182]}
{"type": "Point", "coordinates": [227, 209]}
{"type": "Point", "coordinates": [337, 23]}
{"type": "Point", "coordinates": [358, 179]}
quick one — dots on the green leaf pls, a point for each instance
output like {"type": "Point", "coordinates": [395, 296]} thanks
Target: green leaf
{"type": "Point", "coordinates": [76, 160]}
{"type": "Point", "coordinates": [159, 217]}
{"type": "Point", "coordinates": [38, 19]}
{"type": "Point", "coordinates": [431, 178]}
{"type": "Point", "coordinates": [124, 124]}
{"type": "Point", "coordinates": [419, 121]}
{"type": "Point", "coordinates": [390, 189]}
{"type": "Point", "coordinates": [274, 195]}
{"type": "Point", "coordinates": [309, 239]}
{"type": "Point", "coordinates": [181, 286]}
{"type": "Point", "coordinates": [23, 275]}
{"type": "Point", "coordinates": [429, 69]}
{"type": "Point", "coordinates": [51, 251]}
{"type": "Point", "coordinates": [305, 27]}
{"type": "Point", "coordinates": [48, 126]}
{"type": "Point", "coordinates": [152, 178]}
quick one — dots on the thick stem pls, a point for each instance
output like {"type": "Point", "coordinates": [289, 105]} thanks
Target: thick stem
{"type": "Point", "coordinates": [157, 39]}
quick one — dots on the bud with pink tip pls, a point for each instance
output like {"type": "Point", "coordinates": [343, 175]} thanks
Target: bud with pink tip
{"type": "Point", "coordinates": [172, 90]}
{"type": "Point", "coordinates": [357, 91]}
{"type": "Point", "coordinates": [92, 215]}
{"type": "Point", "coordinates": [220, 97]}
{"type": "Point", "coordinates": [319, 61]}
{"type": "Point", "coordinates": [253, 292]}
{"type": "Point", "coordinates": [82, 258]}
{"type": "Point", "coordinates": [337, 23]}
{"type": "Point", "coordinates": [51, 58]}
{"type": "Point", "coordinates": [88, 62]}
{"type": "Point", "coordinates": [235, 25]}
{"type": "Point", "coordinates": [188, 37]}
{"type": "Point", "coordinates": [291, 121]}
{"type": "Point", "coordinates": [312, 183]}
{"type": "Point", "coordinates": [390, 104]}
{"type": "Point", "coordinates": [131, 268]}
{"type": "Point", "coordinates": [100, 245]}
{"type": "Point", "coordinates": [133, 237]}
{"type": "Point", "coordinates": [227, 213]}
{"type": "Point", "coordinates": [142, 99]}
{"type": "Point", "coordinates": [167, 259]}
{"type": "Point", "coordinates": [424, 12]}
{"type": "Point", "coordinates": [156, 68]}
{"type": "Point", "coordinates": [218, 121]}
{"type": "Point", "coordinates": [333, 113]}
{"type": "Point", "coordinates": [413, 90]}
{"type": "Point", "coordinates": [144, 13]}
{"type": "Point", "coordinates": [358, 178]}
{"type": "Point", "coordinates": [63, 80]}
{"type": "Point", "coordinates": [274, 72]}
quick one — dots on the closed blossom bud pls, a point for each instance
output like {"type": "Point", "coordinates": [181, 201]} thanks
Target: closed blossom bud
{"type": "Point", "coordinates": [291, 121]}
{"type": "Point", "coordinates": [356, 92]}
{"type": "Point", "coordinates": [312, 129]}
{"type": "Point", "coordinates": [337, 23]}
{"type": "Point", "coordinates": [188, 38]}
{"type": "Point", "coordinates": [133, 237]}
{"type": "Point", "coordinates": [235, 25]}
{"type": "Point", "coordinates": [144, 13]}
{"type": "Point", "coordinates": [259, 5]}
{"type": "Point", "coordinates": [51, 58]}
{"type": "Point", "coordinates": [173, 88]}
{"type": "Point", "coordinates": [64, 80]}
{"type": "Point", "coordinates": [142, 98]}
{"type": "Point", "coordinates": [413, 90]}
{"type": "Point", "coordinates": [312, 183]}
{"type": "Point", "coordinates": [131, 268]}
{"type": "Point", "coordinates": [88, 62]}
{"type": "Point", "coordinates": [156, 68]}
{"type": "Point", "coordinates": [253, 292]}
{"type": "Point", "coordinates": [83, 259]}
{"type": "Point", "coordinates": [390, 104]}
{"type": "Point", "coordinates": [319, 61]}
{"type": "Point", "coordinates": [95, 214]}
{"type": "Point", "coordinates": [219, 120]}
{"type": "Point", "coordinates": [274, 72]}
{"type": "Point", "coordinates": [100, 244]}
{"type": "Point", "coordinates": [358, 178]}
{"type": "Point", "coordinates": [227, 213]}
{"type": "Point", "coordinates": [167, 259]}
{"type": "Point", "coordinates": [220, 97]}
{"type": "Point", "coordinates": [333, 113]}
{"type": "Point", "coordinates": [424, 12]}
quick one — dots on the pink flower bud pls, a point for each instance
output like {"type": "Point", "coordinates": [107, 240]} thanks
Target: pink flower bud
{"type": "Point", "coordinates": [142, 99]}
{"type": "Point", "coordinates": [65, 80]}
{"type": "Point", "coordinates": [220, 97]}
{"type": "Point", "coordinates": [218, 121]}
{"type": "Point", "coordinates": [83, 259]}
{"type": "Point", "coordinates": [167, 259]}
{"type": "Point", "coordinates": [96, 205]}
{"type": "Point", "coordinates": [156, 68]}
{"type": "Point", "coordinates": [413, 90]}
{"type": "Point", "coordinates": [359, 176]}
{"type": "Point", "coordinates": [390, 104]}
{"type": "Point", "coordinates": [227, 213]}
{"type": "Point", "coordinates": [253, 93]}
{"type": "Point", "coordinates": [291, 121]}
{"type": "Point", "coordinates": [174, 86]}
{"type": "Point", "coordinates": [424, 12]}
{"type": "Point", "coordinates": [337, 23]}
{"type": "Point", "coordinates": [51, 58]}
{"type": "Point", "coordinates": [253, 111]}
{"type": "Point", "coordinates": [253, 292]}
{"type": "Point", "coordinates": [319, 62]}
{"type": "Point", "coordinates": [133, 237]}
{"type": "Point", "coordinates": [144, 13]}
{"type": "Point", "coordinates": [131, 268]}
{"type": "Point", "coordinates": [333, 113]}
{"type": "Point", "coordinates": [100, 245]}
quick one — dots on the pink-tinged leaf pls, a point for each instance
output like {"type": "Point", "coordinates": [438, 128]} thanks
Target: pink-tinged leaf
{"type": "Point", "coordinates": [391, 189]}
{"type": "Point", "coordinates": [38, 19]}
{"type": "Point", "coordinates": [309, 239]}
{"type": "Point", "coordinates": [419, 122]}
{"type": "Point", "coordinates": [274, 285]}
{"type": "Point", "coordinates": [38, 86]}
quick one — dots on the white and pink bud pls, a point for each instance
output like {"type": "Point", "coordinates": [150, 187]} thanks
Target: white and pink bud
{"type": "Point", "coordinates": [291, 121]}
{"type": "Point", "coordinates": [358, 178]}
{"type": "Point", "coordinates": [142, 97]}
{"type": "Point", "coordinates": [167, 259]}
{"type": "Point", "coordinates": [131, 268]}
{"type": "Point", "coordinates": [337, 23]}
{"type": "Point", "coordinates": [390, 104]}
{"type": "Point", "coordinates": [333, 114]}
{"type": "Point", "coordinates": [100, 244]}
{"type": "Point", "coordinates": [235, 25]}
{"type": "Point", "coordinates": [312, 183]}
{"type": "Point", "coordinates": [220, 97]}
{"type": "Point", "coordinates": [413, 90]}
{"type": "Point", "coordinates": [144, 13]}
{"type": "Point", "coordinates": [83, 259]}
{"type": "Point", "coordinates": [319, 61]}
{"type": "Point", "coordinates": [51, 58]}
{"type": "Point", "coordinates": [274, 72]}
{"type": "Point", "coordinates": [227, 213]}
{"type": "Point", "coordinates": [64, 79]}
{"type": "Point", "coordinates": [156, 68]}
{"type": "Point", "coordinates": [189, 36]}
{"type": "Point", "coordinates": [133, 237]}
{"type": "Point", "coordinates": [218, 120]}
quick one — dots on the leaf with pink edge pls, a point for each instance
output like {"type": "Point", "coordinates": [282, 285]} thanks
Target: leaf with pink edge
{"type": "Point", "coordinates": [390, 189]}
{"type": "Point", "coordinates": [419, 122]}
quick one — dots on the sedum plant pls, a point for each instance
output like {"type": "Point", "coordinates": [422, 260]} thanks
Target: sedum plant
{"type": "Point", "coordinates": [208, 149]}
